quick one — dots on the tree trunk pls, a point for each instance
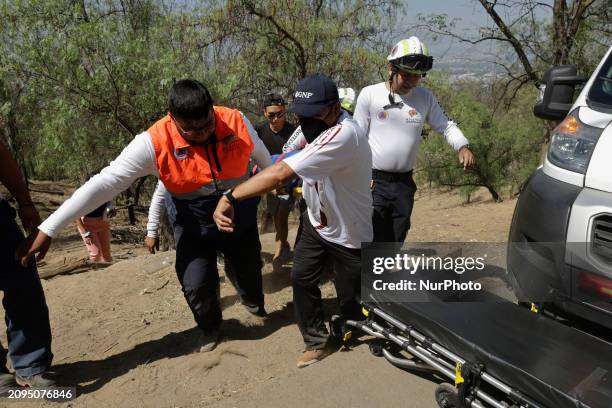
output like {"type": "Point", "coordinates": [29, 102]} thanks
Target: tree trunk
{"type": "Point", "coordinates": [131, 214]}
{"type": "Point", "coordinates": [559, 42]}
{"type": "Point", "coordinates": [138, 189]}
{"type": "Point", "coordinates": [166, 234]}
{"type": "Point", "coordinates": [483, 181]}
{"type": "Point", "coordinates": [493, 193]}
{"type": "Point", "coordinates": [129, 203]}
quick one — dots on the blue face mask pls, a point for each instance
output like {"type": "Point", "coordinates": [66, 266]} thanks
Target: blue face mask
{"type": "Point", "coordinates": [312, 128]}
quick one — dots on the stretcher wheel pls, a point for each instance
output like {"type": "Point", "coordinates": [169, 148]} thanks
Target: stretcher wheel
{"type": "Point", "coordinates": [376, 349]}
{"type": "Point", "coordinates": [446, 396]}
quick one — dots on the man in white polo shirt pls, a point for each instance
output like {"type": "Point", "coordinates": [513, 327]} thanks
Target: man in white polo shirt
{"type": "Point", "coordinates": [335, 167]}
{"type": "Point", "coordinates": [393, 114]}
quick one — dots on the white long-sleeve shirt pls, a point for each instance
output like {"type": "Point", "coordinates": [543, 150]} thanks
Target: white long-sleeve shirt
{"type": "Point", "coordinates": [394, 134]}
{"type": "Point", "coordinates": [135, 161]}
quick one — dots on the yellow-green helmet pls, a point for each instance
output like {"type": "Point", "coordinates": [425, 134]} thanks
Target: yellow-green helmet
{"type": "Point", "coordinates": [410, 55]}
{"type": "Point", "coordinates": [347, 98]}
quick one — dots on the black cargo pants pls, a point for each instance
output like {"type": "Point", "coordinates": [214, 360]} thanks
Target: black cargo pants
{"type": "Point", "coordinates": [197, 242]}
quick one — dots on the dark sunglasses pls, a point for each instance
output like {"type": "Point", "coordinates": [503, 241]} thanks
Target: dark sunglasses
{"type": "Point", "coordinates": [273, 115]}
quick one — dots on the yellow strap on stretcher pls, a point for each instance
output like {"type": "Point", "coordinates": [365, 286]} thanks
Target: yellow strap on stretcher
{"type": "Point", "coordinates": [365, 311]}
{"type": "Point", "coordinates": [297, 192]}
{"type": "Point", "coordinates": [534, 308]}
{"type": "Point", "coordinates": [458, 378]}
{"type": "Point", "coordinates": [347, 336]}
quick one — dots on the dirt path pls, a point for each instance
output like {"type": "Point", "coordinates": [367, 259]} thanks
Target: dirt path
{"type": "Point", "coordinates": [125, 337]}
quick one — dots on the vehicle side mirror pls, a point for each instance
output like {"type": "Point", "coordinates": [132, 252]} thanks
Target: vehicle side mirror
{"type": "Point", "coordinates": [557, 92]}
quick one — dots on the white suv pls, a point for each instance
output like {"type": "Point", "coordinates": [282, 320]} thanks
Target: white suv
{"type": "Point", "coordinates": [560, 243]}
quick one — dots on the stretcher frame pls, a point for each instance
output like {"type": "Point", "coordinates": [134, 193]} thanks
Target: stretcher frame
{"type": "Point", "coordinates": [472, 384]}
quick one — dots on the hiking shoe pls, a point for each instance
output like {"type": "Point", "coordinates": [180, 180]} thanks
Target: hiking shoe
{"type": "Point", "coordinates": [7, 380]}
{"type": "Point", "coordinates": [256, 310]}
{"type": "Point", "coordinates": [42, 380]}
{"type": "Point", "coordinates": [209, 340]}
{"type": "Point", "coordinates": [310, 357]}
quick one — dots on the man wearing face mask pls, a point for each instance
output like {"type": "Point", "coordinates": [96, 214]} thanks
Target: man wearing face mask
{"type": "Point", "coordinates": [297, 141]}
{"type": "Point", "coordinates": [393, 114]}
{"type": "Point", "coordinates": [197, 151]}
{"type": "Point", "coordinates": [335, 169]}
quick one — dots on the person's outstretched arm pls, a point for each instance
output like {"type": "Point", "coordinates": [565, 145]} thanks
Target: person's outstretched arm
{"type": "Point", "coordinates": [136, 160]}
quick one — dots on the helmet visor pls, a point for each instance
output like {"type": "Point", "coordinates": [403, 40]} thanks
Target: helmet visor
{"type": "Point", "coordinates": [413, 64]}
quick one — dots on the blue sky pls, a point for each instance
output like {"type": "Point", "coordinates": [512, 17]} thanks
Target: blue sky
{"type": "Point", "coordinates": [472, 16]}
{"type": "Point", "coordinates": [468, 10]}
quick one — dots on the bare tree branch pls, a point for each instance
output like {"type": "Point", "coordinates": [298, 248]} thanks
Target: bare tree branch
{"type": "Point", "coordinates": [518, 48]}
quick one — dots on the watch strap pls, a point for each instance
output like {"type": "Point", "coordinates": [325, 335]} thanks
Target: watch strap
{"type": "Point", "coordinates": [230, 197]}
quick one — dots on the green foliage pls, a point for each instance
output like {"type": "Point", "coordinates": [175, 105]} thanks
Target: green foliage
{"type": "Point", "coordinates": [91, 76]}
{"type": "Point", "coordinates": [80, 79]}
{"type": "Point", "coordinates": [274, 44]}
{"type": "Point", "coordinates": [593, 37]}
{"type": "Point", "coordinates": [506, 143]}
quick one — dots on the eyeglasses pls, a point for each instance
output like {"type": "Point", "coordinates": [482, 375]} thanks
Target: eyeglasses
{"type": "Point", "coordinates": [199, 129]}
{"type": "Point", "coordinates": [274, 115]}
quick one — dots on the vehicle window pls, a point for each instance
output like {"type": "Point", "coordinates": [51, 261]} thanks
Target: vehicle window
{"type": "Point", "coordinates": [600, 94]}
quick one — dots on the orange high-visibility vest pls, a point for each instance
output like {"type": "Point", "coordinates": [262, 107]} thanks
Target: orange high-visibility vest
{"type": "Point", "coordinates": [186, 168]}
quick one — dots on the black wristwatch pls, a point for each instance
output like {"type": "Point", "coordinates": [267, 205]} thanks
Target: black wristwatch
{"type": "Point", "coordinates": [467, 146]}
{"type": "Point", "coordinates": [230, 197]}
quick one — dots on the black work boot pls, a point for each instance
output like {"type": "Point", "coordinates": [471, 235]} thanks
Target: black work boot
{"type": "Point", "coordinates": [208, 340]}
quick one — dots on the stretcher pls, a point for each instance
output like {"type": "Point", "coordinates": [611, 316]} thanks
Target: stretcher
{"type": "Point", "coordinates": [492, 353]}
